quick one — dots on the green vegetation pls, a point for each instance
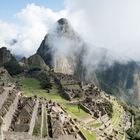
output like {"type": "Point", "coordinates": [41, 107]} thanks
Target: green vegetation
{"type": "Point", "coordinates": [44, 81]}
{"type": "Point", "coordinates": [75, 112]}
{"type": "Point", "coordinates": [32, 87]}
{"type": "Point", "coordinates": [88, 135]}
{"type": "Point", "coordinates": [95, 125]}
{"type": "Point", "coordinates": [117, 112]}
{"type": "Point", "coordinates": [37, 127]}
{"type": "Point", "coordinates": [133, 133]}
{"type": "Point", "coordinates": [45, 130]}
{"type": "Point", "coordinates": [120, 136]}
{"type": "Point", "coordinates": [109, 109]}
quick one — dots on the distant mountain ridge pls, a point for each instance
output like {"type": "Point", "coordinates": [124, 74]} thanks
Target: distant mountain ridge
{"type": "Point", "coordinates": [123, 80]}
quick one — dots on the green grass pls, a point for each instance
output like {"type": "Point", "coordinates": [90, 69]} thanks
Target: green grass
{"type": "Point", "coordinates": [117, 111]}
{"type": "Point", "coordinates": [45, 129]}
{"type": "Point", "coordinates": [95, 125]}
{"type": "Point", "coordinates": [75, 112]}
{"type": "Point", "coordinates": [37, 127]}
{"type": "Point", "coordinates": [88, 135]}
{"type": "Point", "coordinates": [120, 136]}
{"type": "Point", "coordinates": [31, 87]}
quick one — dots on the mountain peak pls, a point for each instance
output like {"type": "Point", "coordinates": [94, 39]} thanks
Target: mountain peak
{"type": "Point", "coordinates": [63, 21]}
{"type": "Point", "coordinates": [64, 27]}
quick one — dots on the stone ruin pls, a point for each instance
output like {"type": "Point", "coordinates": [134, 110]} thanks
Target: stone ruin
{"type": "Point", "coordinates": [66, 79]}
{"type": "Point", "coordinates": [22, 117]}
{"type": "Point", "coordinates": [97, 107]}
{"type": "Point", "coordinates": [94, 102]}
{"type": "Point", "coordinates": [69, 85]}
{"type": "Point", "coordinates": [91, 100]}
{"type": "Point", "coordinates": [58, 118]}
{"type": "Point", "coordinates": [33, 118]}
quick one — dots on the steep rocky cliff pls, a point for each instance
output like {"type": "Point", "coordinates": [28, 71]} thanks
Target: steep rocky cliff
{"type": "Point", "coordinates": [61, 48]}
{"type": "Point", "coordinates": [5, 77]}
{"type": "Point", "coordinates": [122, 80]}
{"type": "Point", "coordinates": [5, 56]}
{"type": "Point", "coordinates": [9, 62]}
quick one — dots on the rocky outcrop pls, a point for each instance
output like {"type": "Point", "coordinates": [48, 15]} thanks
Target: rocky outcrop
{"type": "Point", "coordinates": [9, 62]}
{"type": "Point", "coordinates": [36, 61]}
{"type": "Point", "coordinates": [33, 62]}
{"type": "Point", "coordinates": [5, 77]}
{"type": "Point", "coordinates": [5, 56]}
{"type": "Point", "coordinates": [24, 62]}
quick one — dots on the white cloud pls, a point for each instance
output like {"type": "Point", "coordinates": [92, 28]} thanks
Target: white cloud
{"type": "Point", "coordinates": [32, 24]}
{"type": "Point", "coordinates": [112, 24]}
{"type": "Point", "coordinates": [7, 32]}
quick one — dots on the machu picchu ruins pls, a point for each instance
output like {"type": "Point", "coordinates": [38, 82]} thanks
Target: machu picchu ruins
{"type": "Point", "coordinates": [35, 117]}
{"type": "Point", "coordinates": [67, 74]}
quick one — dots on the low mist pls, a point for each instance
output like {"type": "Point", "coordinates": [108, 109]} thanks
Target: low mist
{"type": "Point", "coordinates": [114, 25]}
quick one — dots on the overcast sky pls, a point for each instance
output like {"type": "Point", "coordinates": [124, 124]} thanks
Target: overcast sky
{"type": "Point", "coordinates": [111, 24]}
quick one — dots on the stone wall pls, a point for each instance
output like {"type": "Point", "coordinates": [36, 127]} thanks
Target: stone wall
{"type": "Point", "coordinates": [86, 109]}
{"type": "Point", "coordinates": [3, 96]}
{"type": "Point", "coordinates": [8, 117]}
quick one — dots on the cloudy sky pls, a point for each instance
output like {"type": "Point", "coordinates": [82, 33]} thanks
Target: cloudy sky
{"type": "Point", "coordinates": [111, 24]}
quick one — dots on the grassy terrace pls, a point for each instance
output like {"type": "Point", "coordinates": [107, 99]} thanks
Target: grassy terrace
{"type": "Point", "coordinates": [89, 136]}
{"type": "Point", "coordinates": [116, 118]}
{"type": "Point", "coordinates": [74, 111]}
{"type": "Point", "coordinates": [95, 125]}
{"type": "Point", "coordinates": [117, 112]}
{"type": "Point", "coordinates": [45, 129]}
{"type": "Point", "coordinates": [31, 87]}
{"type": "Point", "coordinates": [37, 127]}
